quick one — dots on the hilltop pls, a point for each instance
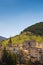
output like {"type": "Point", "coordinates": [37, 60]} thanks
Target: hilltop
{"type": "Point", "coordinates": [34, 32]}
{"type": "Point", "coordinates": [36, 29]}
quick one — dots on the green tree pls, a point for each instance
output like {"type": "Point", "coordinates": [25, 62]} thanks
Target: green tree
{"type": "Point", "coordinates": [8, 58]}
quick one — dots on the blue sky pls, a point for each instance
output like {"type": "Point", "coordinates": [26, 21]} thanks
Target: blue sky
{"type": "Point", "coordinates": [16, 15]}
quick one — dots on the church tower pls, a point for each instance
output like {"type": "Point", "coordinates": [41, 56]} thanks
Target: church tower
{"type": "Point", "coordinates": [10, 42]}
{"type": "Point", "coordinates": [0, 46]}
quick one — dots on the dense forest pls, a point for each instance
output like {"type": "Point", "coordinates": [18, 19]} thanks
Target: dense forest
{"type": "Point", "coordinates": [36, 29]}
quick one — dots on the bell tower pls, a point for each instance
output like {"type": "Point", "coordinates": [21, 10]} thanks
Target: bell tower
{"type": "Point", "coordinates": [10, 42]}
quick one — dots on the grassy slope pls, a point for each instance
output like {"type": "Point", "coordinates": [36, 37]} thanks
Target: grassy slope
{"type": "Point", "coordinates": [23, 37]}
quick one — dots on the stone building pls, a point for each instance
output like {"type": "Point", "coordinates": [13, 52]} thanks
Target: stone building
{"type": "Point", "coordinates": [34, 50]}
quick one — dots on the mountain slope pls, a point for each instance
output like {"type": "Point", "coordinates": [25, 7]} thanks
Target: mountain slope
{"type": "Point", "coordinates": [2, 38]}
{"type": "Point", "coordinates": [36, 29]}
{"type": "Point", "coordinates": [34, 32]}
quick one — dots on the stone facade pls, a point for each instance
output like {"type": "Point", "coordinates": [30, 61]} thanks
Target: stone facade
{"type": "Point", "coordinates": [35, 51]}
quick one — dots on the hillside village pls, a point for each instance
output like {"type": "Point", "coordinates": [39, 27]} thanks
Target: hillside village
{"type": "Point", "coordinates": [30, 50]}
{"type": "Point", "coordinates": [28, 45]}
